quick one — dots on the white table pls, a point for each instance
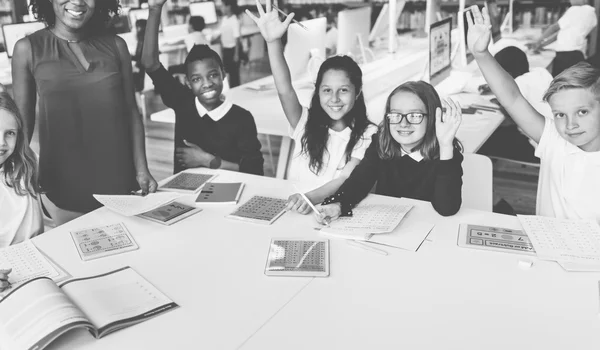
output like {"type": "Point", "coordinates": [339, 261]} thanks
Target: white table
{"type": "Point", "coordinates": [441, 297]}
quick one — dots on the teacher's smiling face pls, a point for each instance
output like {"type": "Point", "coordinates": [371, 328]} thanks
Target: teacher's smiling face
{"type": "Point", "coordinates": [73, 14]}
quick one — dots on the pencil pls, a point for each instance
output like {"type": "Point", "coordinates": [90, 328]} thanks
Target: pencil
{"type": "Point", "coordinates": [326, 219]}
{"type": "Point", "coordinates": [285, 14]}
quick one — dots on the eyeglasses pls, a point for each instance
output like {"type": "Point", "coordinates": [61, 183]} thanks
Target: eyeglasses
{"type": "Point", "coordinates": [411, 118]}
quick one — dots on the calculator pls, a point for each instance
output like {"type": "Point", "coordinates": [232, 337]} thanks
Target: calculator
{"type": "Point", "coordinates": [260, 209]}
{"type": "Point", "coordinates": [298, 257]}
{"type": "Point", "coordinates": [187, 182]}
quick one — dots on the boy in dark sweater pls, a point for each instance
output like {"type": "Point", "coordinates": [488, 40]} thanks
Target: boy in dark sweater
{"type": "Point", "coordinates": [210, 131]}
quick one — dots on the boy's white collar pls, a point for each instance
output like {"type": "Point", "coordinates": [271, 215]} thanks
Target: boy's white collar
{"type": "Point", "coordinates": [217, 113]}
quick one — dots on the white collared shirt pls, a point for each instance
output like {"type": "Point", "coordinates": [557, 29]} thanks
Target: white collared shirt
{"type": "Point", "coordinates": [217, 113]}
{"type": "Point", "coordinates": [20, 216]}
{"type": "Point", "coordinates": [334, 159]}
{"type": "Point", "coordinates": [416, 155]}
{"type": "Point", "coordinates": [568, 186]}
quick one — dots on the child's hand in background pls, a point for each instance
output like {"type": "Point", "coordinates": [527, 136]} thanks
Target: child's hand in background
{"type": "Point", "coordinates": [192, 156]}
{"type": "Point", "coordinates": [479, 34]}
{"type": "Point", "coordinates": [4, 284]}
{"type": "Point", "coordinates": [447, 123]}
{"type": "Point", "coordinates": [268, 22]}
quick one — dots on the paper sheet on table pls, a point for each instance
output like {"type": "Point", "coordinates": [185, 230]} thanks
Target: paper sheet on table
{"type": "Point", "coordinates": [409, 235]}
{"type": "Point", "coordinates": [131, 205]}
{"type": "Point", "coordinates": [27, 263]}
{"type": "Point", "coordinates": [574, 243]}
{"type": "Point", "coordinates": [367, 219]}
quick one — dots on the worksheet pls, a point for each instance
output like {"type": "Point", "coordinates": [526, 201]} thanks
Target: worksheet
{"type": "Point", "coordinates": [563, 240]}
{"type": "Point", "coordinates": [27, 263]}
{"type": "Point", "coordinates": [130, 205]}
{"type": "Point", "coordinates": [298, 257]}
{"type": "Point", "coordinates": [98, 242]}
{"type": "Point", "coordinates": [494, 238]}
{"type": "Point", "coordinates": [367, 219]}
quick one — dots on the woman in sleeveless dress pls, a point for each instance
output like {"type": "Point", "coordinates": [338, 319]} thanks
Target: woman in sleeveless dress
{"type": "Point", "coordinates": [91, 133]}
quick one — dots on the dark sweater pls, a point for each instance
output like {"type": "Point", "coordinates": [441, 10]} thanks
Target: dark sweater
{"type": "Point", "coordinates": [436, 181]}
{"type": "Point", "coordinates": [233, 137]}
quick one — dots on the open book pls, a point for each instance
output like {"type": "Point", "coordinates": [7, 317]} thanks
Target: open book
{"type": "Point", "coordinates": [38, 311]}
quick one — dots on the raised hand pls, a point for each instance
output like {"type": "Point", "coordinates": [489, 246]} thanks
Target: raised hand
{"type": "Point", "coordinates": [156, 3]}
{"type": "Point", "coordinates": [480, 33]}
{"type": "Point", "coordinates": [271, 28]}
{"type": "Point", "coordinates": [447, 123]}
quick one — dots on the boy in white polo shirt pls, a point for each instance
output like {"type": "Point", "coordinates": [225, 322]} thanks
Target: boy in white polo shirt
{"type": "Point", "coordinates": [569, 144]}
{"type": "Point", "coordinates": [570, 34]}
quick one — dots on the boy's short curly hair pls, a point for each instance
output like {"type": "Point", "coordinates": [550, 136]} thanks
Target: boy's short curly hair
{"type": "Point", "coordinates": [105, 9]}
{"type": "Point", "coordinates": [580, 76]}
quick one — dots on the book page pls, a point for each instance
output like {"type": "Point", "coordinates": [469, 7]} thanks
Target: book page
{"type": "Point", "coordinates": [27, 263]}
{"type": "Point", "coordinates": [35, 314]}
{"type": "Point", "coordinates": [130, 205]}
{"type": "Point", "coordinates": [117, 299]}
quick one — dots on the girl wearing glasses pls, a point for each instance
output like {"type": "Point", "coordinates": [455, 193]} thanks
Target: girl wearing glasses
{"type": "Point", "coordinates": [331, 135]}
{"type": "Point", "coordinates": [415, 154]}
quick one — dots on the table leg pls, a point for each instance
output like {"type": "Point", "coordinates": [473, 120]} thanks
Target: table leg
{"type": "Point", "coordinates": [284, 157]}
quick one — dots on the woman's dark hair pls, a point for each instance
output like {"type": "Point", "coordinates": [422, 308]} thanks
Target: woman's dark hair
{"type": "Point", "coordinates": [316, 132]}
{"type": "Point", "coordinates": [513, 60]}
{"type": "Point", "coordinates": [429, 146]}
{"type": "Point", "coordinates": [104, 10]}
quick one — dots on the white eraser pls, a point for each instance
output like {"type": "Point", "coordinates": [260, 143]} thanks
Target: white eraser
{"type": "Point", "coordinates": [525, 264]}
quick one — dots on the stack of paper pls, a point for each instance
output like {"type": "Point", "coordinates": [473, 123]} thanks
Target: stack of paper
{"type": "Point", "coordinates": [134, 205]}
{"type": "Point", "coordinates": [574, 244]}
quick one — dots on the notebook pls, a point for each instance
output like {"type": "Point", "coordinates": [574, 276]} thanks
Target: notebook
{"type": "Point", "coordinates": [220, 193]}
{"type": "Point", "coordinates": [102, 304]}
{"type": "Point", "coordinates": [170, 213]}
{"type": "Point", "coordinates": [260, 209]}
{"type": "Point", "coordinates": [187, 182]}
{"type": "Point", "coordinates": [298, 257]}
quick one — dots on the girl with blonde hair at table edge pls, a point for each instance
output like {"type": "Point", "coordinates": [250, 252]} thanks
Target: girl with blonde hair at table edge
{"type": "Point", "coordinates": [20, 208]}
{"type": "Point", "coordinates": [330, 136]}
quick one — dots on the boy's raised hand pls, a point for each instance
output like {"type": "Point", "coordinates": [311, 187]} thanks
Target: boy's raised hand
{"type": "Point", "coordinates": [156, 3]}
{"type": "Point", "coordinates": [447, 123]}
{"type": "Point", "coordinates": [268, 22]}
{"type": "Point", "coordinates": [479, 34]}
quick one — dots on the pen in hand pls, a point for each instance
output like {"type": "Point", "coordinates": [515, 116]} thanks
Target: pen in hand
{"type": "Point", "coordinates": [326, 219]}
